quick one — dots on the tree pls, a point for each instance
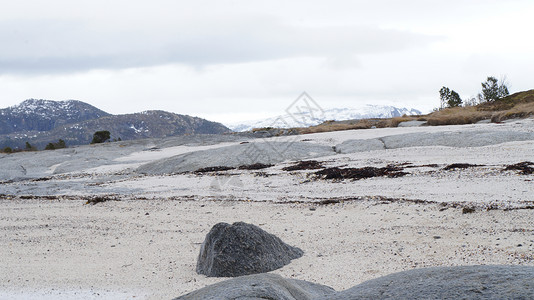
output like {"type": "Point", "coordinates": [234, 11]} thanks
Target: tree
{"type": "Point", "coordinates": [449, 98]}
{"type": "Point", "coordinates": [29, 147]}
{"type": "Point", "coordinates": [60, 144]}
{"type": "Point", "coordinates": [493, 90]}
{"type": "Point", "coordinates": [100, 137]}
{"type": "Point", "coordinates": [471, 101]}
{"type": "Point", "coordinates": [443, 95]}
{"type": "Point", "coordinates": [8, 150]}
{"type": "Point", "coordinates": [454, 100]}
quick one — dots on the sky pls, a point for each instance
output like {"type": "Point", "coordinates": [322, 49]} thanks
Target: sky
{"type": "Point", "coordinates": [232, 61]}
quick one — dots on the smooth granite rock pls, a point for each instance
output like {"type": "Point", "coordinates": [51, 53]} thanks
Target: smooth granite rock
{"type": "Point", "coordinates": [446, 138]}
{"type": "Point", "coordinates": [462, 282]}
{"type": "Point", "coordinates": [261, 286]}
{"type": "Point", "coordinates": [237, 155]}
{"type": "Point", "coordinates": [242, 249]}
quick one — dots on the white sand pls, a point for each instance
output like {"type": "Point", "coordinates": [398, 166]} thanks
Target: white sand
{"type": "Point", "coordinates": [147, 249]}
{"type": "Point", "coordinates": [116, 247]}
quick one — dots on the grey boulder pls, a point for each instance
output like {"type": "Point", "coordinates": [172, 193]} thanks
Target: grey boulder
{"type": "Point", "coordinates": [261, 286]}
{"type": "Point", "coordinates": [242, 249]}
{"type": "Point", "coordinates": [462, 282]}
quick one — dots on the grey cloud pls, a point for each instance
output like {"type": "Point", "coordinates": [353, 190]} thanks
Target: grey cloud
{"type": "Point", "coordinates": [68, 46]}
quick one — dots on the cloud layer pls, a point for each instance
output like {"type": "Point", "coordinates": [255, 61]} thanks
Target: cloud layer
{"type": "Point", "coordinates": [49, 46]}
{"type": "Point", "coordinates": [239, 59]}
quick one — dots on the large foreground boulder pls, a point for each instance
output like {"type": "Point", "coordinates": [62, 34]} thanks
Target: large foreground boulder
{"type": "Point", "coordinates": [242, 249]}
{"type": "Point", "coordinates": [261, 286]}
{"type": "Point", "coordinates": [464, 282]}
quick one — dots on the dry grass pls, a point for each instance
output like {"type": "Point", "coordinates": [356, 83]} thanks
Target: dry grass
{"type": "Point", "coordinates": [328, 126]}
{"type": "Point", "coordinates": [360, 124]}
{"type": "Point", "coordinates": [457, 116]}
{"type": "Point", "coordinates": [518, 105]}
{"type": "Point", "coordinates": [523, 110]}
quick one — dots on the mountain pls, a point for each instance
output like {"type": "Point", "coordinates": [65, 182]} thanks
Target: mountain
{"type": "Point", "coordinates": [45, 115]}
{"type": "Point", "coordinates": [307, 118]}
{"type": "Point", "coordinates": [40, 122]}
{"type": "Point", "coordinates": [148, 124]}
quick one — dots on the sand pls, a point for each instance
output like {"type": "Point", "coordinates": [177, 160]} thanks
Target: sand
{"type": "Point", "coordinates": [145, 245]}
{"type": "Point", "coordinates": [148, 249]}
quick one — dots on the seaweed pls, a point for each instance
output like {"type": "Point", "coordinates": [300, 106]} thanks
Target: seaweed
{"type": "Point", "coordinates": [461, 166]}
{"type": "Point", "coordinates": [360, 173]}
{"type": "Point", "coordinates": [214, 169]}
{"type": "Point", "coordinates": [524, 167]}
{"type": "Point", "coordinates": [256, 166]}
{"type": "Point", "coordinates": [304, 165]}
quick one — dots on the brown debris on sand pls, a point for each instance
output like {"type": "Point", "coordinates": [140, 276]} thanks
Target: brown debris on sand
{"type": "Point", "coordinates": [461, 166]}
{"type": "Point", "coordinates": [214, 169]}
{"type": "Point", "coordinates": [468, 210]}
{"type": "Point", "coordinates": [257, 166]}
{"type": "Point", "coordinates": [304, 165]}
{"type": "Point", "coordinates": [525, 167]}
{"type": "Point", "coordinates": [359, 173]}
{"type": "Point", "coordinates": [99, 199]}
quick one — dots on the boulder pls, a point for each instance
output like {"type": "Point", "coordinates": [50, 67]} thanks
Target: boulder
{"type": "Point", "coordinates": [261, 286]}
{"type": "Point", "coordinates": [461, 282]}
{"type": "Point", "coordinates": [242, 249]}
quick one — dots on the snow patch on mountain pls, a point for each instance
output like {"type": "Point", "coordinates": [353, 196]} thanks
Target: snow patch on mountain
{"type": "Point", "coordinates": [48, 108]}
{"type": "Point", "coordinates": [312, 118]}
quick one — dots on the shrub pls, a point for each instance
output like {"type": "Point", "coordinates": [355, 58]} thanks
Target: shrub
{"type": "Point", "coordinates": [8, 150]}
{"type": "Point", "coordinates": [53, 146]}
{"type": "Point", "coordinates": [100, 137]}
{"type": "Point", "coordinates": [60, 144]}
{"type": "Point", "coordinates": [29, 147]}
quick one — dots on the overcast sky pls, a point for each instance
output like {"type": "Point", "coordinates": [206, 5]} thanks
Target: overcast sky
{"type": "Point", "coordinates": [238, 60]}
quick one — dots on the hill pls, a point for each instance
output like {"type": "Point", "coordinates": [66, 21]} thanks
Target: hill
{"type": "Point", "coordinates": [40, 122]}
{"type": "Point", "coordinates": [45, 115]}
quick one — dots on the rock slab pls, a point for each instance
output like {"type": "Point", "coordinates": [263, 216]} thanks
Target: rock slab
{"type": "Point", "coordinates": [261, 286]}
{"type": "Point", "coordinates": [460, 282]}
{"type": "Point", "coordinates": [242, 249]}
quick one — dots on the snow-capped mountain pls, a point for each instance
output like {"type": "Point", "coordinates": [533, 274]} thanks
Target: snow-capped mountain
{"type": "Point", "coordinates": [44, 115]}
{"type": "Point", "coordinates": [40, 122]}
{"type": "Point", "coordinates": [315, 117]}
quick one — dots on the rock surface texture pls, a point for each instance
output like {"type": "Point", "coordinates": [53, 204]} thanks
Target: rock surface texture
{"type": "Point", "coordinates": [242, 249]}
{"type": "Point", "coordinates": [463, 282]}
{"type": "Point", "coordinates": [237, 155]}
{"type": "Point", "coordinates": [261, 286]}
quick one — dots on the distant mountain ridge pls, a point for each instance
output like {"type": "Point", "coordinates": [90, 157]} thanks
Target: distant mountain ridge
{"type": "Point", "coordinates": [45, 115]}
{"type": "Point", "coordinates": [40, 122]}
{"type": "Point", "coordinates": [306, 119]}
